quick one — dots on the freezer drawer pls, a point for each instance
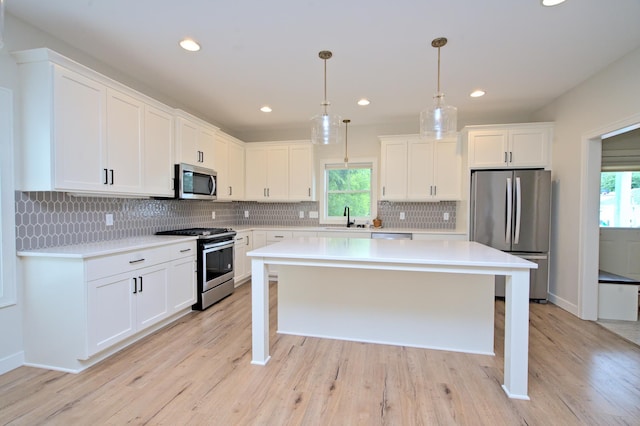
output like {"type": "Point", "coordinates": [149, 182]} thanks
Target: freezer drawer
{"type": "Point", "coordinates": [539, 278]}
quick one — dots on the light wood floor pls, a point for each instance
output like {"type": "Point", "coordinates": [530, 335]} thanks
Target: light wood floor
{"type": "Point", "coordinates": [197, 371]}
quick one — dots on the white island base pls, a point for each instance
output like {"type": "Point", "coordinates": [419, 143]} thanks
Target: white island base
{"type": "Point", "coordinates": [441, 277]}
{"type": "Point", "coordinates": [436, 311]}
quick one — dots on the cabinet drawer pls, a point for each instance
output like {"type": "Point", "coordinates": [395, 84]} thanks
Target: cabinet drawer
{"type": "Point", "coordinates": [275, 236]}
{"type": "Point", "coordinates": [129, 261]}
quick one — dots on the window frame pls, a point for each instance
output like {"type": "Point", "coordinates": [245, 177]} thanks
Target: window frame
{"type": "Point", "coordinates": [617, 169]}
{"type": "Point", "coordinates": [322, 200]}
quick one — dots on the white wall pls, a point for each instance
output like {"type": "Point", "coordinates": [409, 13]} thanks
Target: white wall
{"type": "Point", "coordinates": [581, 115]}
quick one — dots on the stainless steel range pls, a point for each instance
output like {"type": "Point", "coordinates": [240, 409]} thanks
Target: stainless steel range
{"type": "Point", "coordinates": [215, 263]}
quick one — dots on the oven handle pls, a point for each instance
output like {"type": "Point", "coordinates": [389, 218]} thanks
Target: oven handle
{"type": "Point", "coordinates": [217, 246]}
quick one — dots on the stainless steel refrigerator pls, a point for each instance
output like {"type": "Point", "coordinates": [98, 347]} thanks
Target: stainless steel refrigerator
{"type": "Point", "coordinates": [510, 211]}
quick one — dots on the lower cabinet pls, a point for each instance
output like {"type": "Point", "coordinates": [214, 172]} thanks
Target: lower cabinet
{"type": "Point", "coordinates": [78, 311]}
{"type": "Point", "coordinates": [242, 263]}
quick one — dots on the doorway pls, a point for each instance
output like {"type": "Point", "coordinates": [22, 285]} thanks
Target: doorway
{"type": "Point", "coordinates": [591, 162]}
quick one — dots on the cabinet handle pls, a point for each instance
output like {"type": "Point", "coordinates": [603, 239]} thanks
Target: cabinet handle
{"type": "Point", "coordinates": [511, 156]}
{"type": "Point", "coordinates": [111, 172]}
{"type": "Point", "coordinates": [247, 240]}
{"type": "Point", "coordinates": [136, 261]}
{"type": "Point", "coordinates": [106, 176]}
{"type": "Point", "coordinates": [140, 291]}
{"type": "Point", "coordinates": [230, 191]}
{"type": "Point", "coordinates": [185, 250]}
{"type": "Point", "coordinates": [383, 190]}
{"type": "Point", "coordinates": [135, 285]}
{"type": "Point", "coordinates": [505, 157]}
{"type": "Point", "coordinates": [435, 190]}
{"type": "Point", "coordinates": [268, 192]}
{"type": "Point", "coordinates": [278, 236]}
{"type": "Point", "coordinates": [309, 192]}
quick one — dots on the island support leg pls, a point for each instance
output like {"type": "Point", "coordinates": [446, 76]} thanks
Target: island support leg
{"type": "Point", "coordinates": [516, 334]}
{"type": "Point", "coordinates": [259, 311]}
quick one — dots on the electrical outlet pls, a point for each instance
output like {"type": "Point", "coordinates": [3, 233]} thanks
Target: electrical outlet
{"type": "Point", "coordinates": [213, 215]}
{"type": "Point", "coordinates": [401, 215]}
{"type": "Point", "coordinates": [446, 216]}
{"type": "Point", "coordinates": [246, 213]}
{"type": "Point", "coordinates": [301, 215]}
{"type": "Point", "coordinates": [313, 215]}
{"type": "Point", "coordinates": [109, 219]}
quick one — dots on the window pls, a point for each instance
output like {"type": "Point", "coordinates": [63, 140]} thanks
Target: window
{"type": "Point", "coordinates": [350, 186]}
{"type": "Point", "coordinates": [620, 199]}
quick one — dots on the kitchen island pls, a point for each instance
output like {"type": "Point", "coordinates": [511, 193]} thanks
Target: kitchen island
{"type": "Point", "coordinates": [431, 294]}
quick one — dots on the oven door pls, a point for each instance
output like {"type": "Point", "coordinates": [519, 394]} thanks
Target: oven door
{"type": "Point", "coordinates": [217, 264]}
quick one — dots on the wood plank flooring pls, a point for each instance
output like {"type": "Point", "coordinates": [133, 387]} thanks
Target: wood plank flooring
{"type": "Point", "coordinates": [197, 371]}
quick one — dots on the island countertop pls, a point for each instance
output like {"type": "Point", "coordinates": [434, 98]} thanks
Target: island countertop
{"type": "Point", "coordinates": [438, 252]}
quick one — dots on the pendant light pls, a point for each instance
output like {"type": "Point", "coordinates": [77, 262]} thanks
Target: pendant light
{"type": "Point", "coordinates": [440, 120]}
{"type": "Point", "coordinates": [346, 139]}
{"type": "Point", "coordinates": [325, 129]}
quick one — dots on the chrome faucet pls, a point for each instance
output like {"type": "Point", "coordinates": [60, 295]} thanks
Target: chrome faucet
{"type": "Point", "coordinates": [347, 213]}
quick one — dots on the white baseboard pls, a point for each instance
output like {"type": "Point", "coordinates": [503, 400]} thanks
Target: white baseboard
{"type": "Point", "coordinates": [564, 304]}
{"type": "Point", "coordinates": [11, 362]}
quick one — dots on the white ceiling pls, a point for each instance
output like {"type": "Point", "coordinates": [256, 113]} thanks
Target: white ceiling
{"type": "Point", "coordinates": [257, 52]}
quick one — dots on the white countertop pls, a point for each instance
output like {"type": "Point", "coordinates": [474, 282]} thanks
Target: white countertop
{"type": "Point", "coordinates": [242, 228]}
{"type": "Point", "coordinates": [454, 253]}
{"type": "Point", "coordinates": [83, 251]}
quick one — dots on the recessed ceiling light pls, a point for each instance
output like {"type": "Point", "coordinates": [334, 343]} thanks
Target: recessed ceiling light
{"type": "Point", "coordinates": [477, 93]}
{"type": "Point", "coordinates": [551, 2]}
{"type": "Point", "coordinates": [266, 108]}
{"type": "Point", "coordinates": [364, 102]}
{"type": "Point", "coordinates": [190, 45]}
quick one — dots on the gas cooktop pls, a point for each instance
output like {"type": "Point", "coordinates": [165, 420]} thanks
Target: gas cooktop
{"type": "Point", "coordinates": [197, 232]}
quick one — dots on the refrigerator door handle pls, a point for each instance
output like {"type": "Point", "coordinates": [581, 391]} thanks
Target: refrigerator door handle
{"type": "Point", "coordinates": [507, 231]}
{"type": "Point", "coordinates": [516, 238]}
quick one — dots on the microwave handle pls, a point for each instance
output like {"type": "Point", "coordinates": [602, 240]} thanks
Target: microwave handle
{"type": "Point", "coordinates": [212, 185]}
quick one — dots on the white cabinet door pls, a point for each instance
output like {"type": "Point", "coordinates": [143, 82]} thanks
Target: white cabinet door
{"type": "Point", "coordinates": [79, 106]}
{"type": "Point", "coordinates": [221, 166]}
{"type": "Point", "coordinates": [182, 284]}
{"type": "Point", "coordinates": [394, 169]}
{"type": "Point", "coordinates": [256, 173]}
{"type": "Point", "coordinates": [206, 143]}
{"type": "Point", "coordinates": [301, 173]}
{"type": "Point", "coordinates": [236, 171]}
{"type": "Point", "coordinates": [488, 148]}
{"type": "Point", "coordinates": [187, 150]}
{"type": "Point", "coordinates": [110, 311]}
{"type": "Point", "coordinates": [242, 265]}
{"type": "Point", "coordinates": [420, 181]}
{"type": "Point", "coordinates": [158, 152]}
{"type": "Point", "coordinates": [447, 170]}
{"type": "Point", "coordinates": [278, 173]}
{"type": "Point", "coordinates": [151, 297]}
{"type": "Point", "coordinates": [529, 147]}
{"type": "Point", "coordinates": [125, 116]}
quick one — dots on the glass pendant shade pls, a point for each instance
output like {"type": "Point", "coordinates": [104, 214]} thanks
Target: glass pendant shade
{"type": "Point", "coordinates": [325, 127]}
{"type": "Point", "coordinates": [440, 120]}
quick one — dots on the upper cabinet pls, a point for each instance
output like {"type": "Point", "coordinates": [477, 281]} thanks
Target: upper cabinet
{"type": "Point", "coordinates": [195, 141]}
{"type": "Point", "coordinates": [509, 145]}
{"type": "Point", "coordinates": [417, 169]}
{"type": "Point", "coordinates": [279, 171]}
{"type": "Point", "coordinates": [229, 164]}
{"type": "Point", "coordinates": [83, 132]}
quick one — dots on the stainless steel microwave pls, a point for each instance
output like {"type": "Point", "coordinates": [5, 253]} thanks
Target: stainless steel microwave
{"type": "Point", "coordinates": [195, 182]}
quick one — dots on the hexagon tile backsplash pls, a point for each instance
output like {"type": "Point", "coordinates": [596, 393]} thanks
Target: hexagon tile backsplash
{"type": "Point", "coordinates": [50, 219]}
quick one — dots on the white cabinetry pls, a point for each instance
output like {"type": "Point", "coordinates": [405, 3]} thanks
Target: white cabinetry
{"type": "Point", "coordinates": [509, 145]}
{"type": "Point", "coordinates": [195, 141]}
{"type": "Point", "coordinates": [242, 263]}
{"type": "Point", "coordinates": [85, 133]}
{"type": "Point", "coordinates": [158, 158]}
{"type": "Point", "coordinates": [415, 169]}
{"type": "Point", "coordinates": [279, 171]}
{"type": "Point", "coordinates": [229, 164]}
{"type": "Point", "coordinates": [82, 309]}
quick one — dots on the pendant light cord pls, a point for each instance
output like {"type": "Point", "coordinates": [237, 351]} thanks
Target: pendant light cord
{"type": "Point", "coordinates": [438, 70]}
